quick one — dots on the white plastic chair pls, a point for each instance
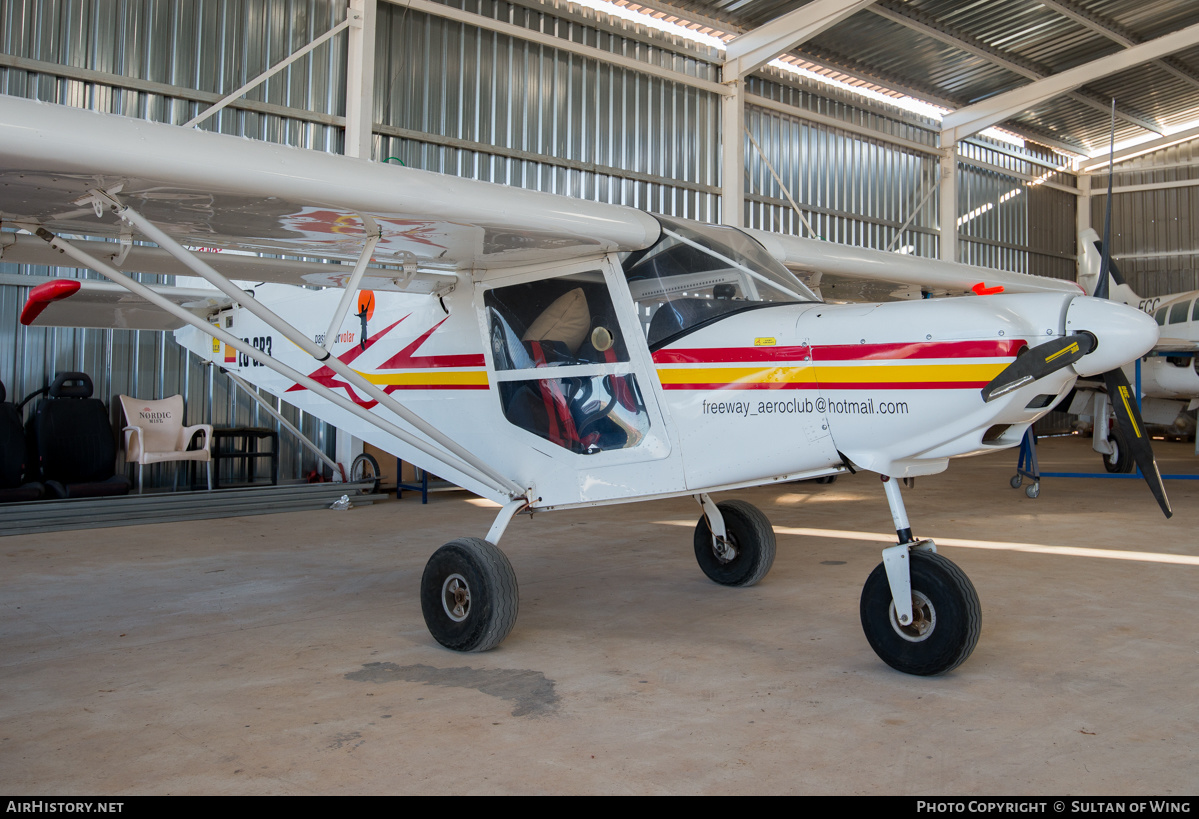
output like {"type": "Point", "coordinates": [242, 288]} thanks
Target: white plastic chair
{"type": "Point", "coordinates": [156, 434]}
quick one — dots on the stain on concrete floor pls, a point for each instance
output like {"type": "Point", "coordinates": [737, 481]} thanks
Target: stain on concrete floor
{"type": "Point", "coordinates": [531, 692]}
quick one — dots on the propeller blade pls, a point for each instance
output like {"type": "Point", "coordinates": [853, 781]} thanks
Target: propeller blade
{"type": "Point", "coordinates": [1121, 397]}
{"type": "Point", "coordinates": [1039, 362]}
{"type": "Point", "coordinates": [1101, 289]}
{"type": "Point", "coordinates": [1119, 393]}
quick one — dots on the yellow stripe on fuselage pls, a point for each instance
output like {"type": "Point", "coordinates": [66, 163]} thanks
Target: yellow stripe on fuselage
{"type": "Point", "coordinates": [832, 373]}
{"type": "Point", "coordinates": [872, 373]}
{"type": "Point", "coordinates": [737, 375]}
{"type": "Point", "coordinates": [429, 378]}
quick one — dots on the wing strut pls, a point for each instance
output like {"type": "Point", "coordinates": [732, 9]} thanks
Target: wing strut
{"type": "Point", "coordinates": [484, 475]}
{"type": "Point", "coordinates": [364, 258]}
{"type": "Point", "coordinates": [243, 299]}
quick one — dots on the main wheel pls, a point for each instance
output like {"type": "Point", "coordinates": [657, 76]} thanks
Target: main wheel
{"type": "Point", "coordinates": [366, 468]}
{"type": "Point", "coordinates": [946, 622]}
{"type": "Point", "coordinates": [468, 595]}
{"type": "Point", "coordinates": [1120, 460]}
{"type": "Point", "coordinates": [749, 553]}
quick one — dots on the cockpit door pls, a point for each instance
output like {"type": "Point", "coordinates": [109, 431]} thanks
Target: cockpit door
{"type": "Point", "coordinates": [573, 377]}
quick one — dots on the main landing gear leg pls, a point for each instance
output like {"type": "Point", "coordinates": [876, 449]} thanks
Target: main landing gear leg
{"type": "Point", "coordinates": [895, 558]}
{"type": "Point", "coordinates": [468, 592]}
{"type": "Point", "coordinates": [919, 611]}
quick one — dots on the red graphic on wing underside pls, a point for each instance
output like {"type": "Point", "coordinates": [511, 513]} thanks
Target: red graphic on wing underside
{"type": "Point", "coordinates": [330, 222]}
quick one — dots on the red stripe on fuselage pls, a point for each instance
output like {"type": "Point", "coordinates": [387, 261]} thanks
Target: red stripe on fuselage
{"type": "Point", "coordinates": [730, 355]}
{"type": "Point", "coordinates": [842, 352]}
{"type": "Point", "coordinates": [920, 349]}
{"type": "Point", "coordinates": [903, 385]}
{"type": "Point", "coordinates": [859, 385]}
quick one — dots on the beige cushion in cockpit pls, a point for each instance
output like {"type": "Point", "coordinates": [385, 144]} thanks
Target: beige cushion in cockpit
{"type": "Point", "coordinates": [567, 320]}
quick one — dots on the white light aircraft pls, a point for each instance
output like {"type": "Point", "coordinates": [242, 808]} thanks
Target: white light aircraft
{"type": "Point", "coordinates": [1169, 379]}
{"type": "Point", "coordinates": [562, 353]}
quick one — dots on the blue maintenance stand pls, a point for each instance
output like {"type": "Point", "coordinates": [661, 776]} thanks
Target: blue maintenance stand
{"type": "Point", "coordinates": [1027, 466]}
{"type": "Point", "coordinates": [422, 486]}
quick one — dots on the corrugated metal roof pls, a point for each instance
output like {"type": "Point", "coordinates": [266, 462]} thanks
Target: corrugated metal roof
{"type": "Point", "coordinates": [957, 53]}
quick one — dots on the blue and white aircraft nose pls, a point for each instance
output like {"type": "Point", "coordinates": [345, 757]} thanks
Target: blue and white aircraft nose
{"type": "Point", "coordinates": [1123, 333]}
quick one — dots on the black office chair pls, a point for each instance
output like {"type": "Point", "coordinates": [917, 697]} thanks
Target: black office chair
{"type": "Point", "coordinates": [14, 458]}
{"type": "Point", "coordinates": [76, 449]}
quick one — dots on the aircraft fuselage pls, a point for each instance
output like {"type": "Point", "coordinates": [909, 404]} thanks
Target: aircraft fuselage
{"type": "Point", "coordinates": [780, 392]}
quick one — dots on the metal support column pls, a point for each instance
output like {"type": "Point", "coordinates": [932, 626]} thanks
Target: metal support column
{"type": "Point", "coordinates": [360, 79]}
{"type": "Point", "coordinates": [732, 155]}
{"type": "Point", "coordinates": [949, 203]}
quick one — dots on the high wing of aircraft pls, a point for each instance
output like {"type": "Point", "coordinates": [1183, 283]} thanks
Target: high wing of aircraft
{"type": "Point", "coordinates": [1169, 378]}
{"type": "Point", "coordinates": [549, 353]}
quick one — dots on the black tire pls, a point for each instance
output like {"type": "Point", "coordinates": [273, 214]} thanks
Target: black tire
{"type": "Point", "coordinates": [468, 595]}
{"type": "Point", "coordinates": [1016, 481]}
{"type": "Point", "coordinates": [1034, 490]}
{"type": "Point", "coordinates": [943, 598]}
{"type": "Point", "coordinates": [366, 468]}
{"type": "Point", "coordinates": [1120, 461]}
{"type": "Point", "coordinates": [750, 536]}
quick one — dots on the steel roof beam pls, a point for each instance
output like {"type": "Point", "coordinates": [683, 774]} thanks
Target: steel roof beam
{"type": "Point", "coordinates": [481, 21]}
{"type": "Point", "coordinates": [974, 118]}
{"type": "Point", "coordinates": [929, 27]}
{"type": "Point", "coordinates": [1120, 35]}
{"type": "Point", "coordinates": [752, 50]}
{"type": "Point", "coordinates": [1095, 163]}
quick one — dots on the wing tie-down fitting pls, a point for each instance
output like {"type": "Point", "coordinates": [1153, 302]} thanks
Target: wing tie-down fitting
{"type": "Point", "coordinates": [442, 448]}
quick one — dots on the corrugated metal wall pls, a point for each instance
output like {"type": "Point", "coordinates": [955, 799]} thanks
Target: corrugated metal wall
{"type": "Point", "coordinates": [211, 46]}
{"type": "Point", "coordinates": [862, 190]}
{"type": "Point", "coordinates": [853, 189]}
{"type": "Point", "coordinates": [178, 56]}
{"type": "Point", "coordinates": [1154, 233]}
{"type": "Point", "coordinates": [458, 99]}
{"type": "Point", "coordinates": [1009, 215]}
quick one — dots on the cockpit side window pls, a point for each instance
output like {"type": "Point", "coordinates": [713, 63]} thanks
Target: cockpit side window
{"type": "Point", "coordinates": [698, 273]}
{"type": "Point", "coordinates": [562, 363]}
{"type": "Point", "coordinates": [564, 320]}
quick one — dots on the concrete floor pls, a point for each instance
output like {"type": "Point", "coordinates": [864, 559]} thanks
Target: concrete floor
{"type": "Point", "coordinates": [286, 654]}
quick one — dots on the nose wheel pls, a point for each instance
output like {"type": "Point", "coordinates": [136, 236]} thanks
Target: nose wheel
{"type": "Point", "coordinates": [946, 617]}
{"type": "Point", "coordinates": [919, 611]}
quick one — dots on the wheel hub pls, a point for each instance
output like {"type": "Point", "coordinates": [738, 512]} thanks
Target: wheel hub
{"type": "Point", "coordinates": [455, 598]}
{"type": "Point", "coordinates": [724, 550]}
{"type": "Point", "coordinates": [924, 619]}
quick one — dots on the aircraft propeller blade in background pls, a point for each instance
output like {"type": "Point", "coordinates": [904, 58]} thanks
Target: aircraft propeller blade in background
{"type": "Point", "coordinates": [1119, 394]}
{"type": "Point", "coordinates": [1039, 362]}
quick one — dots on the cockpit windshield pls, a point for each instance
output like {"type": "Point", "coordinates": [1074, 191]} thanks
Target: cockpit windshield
{"type": "Point", "coordinates": [697, 273]}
